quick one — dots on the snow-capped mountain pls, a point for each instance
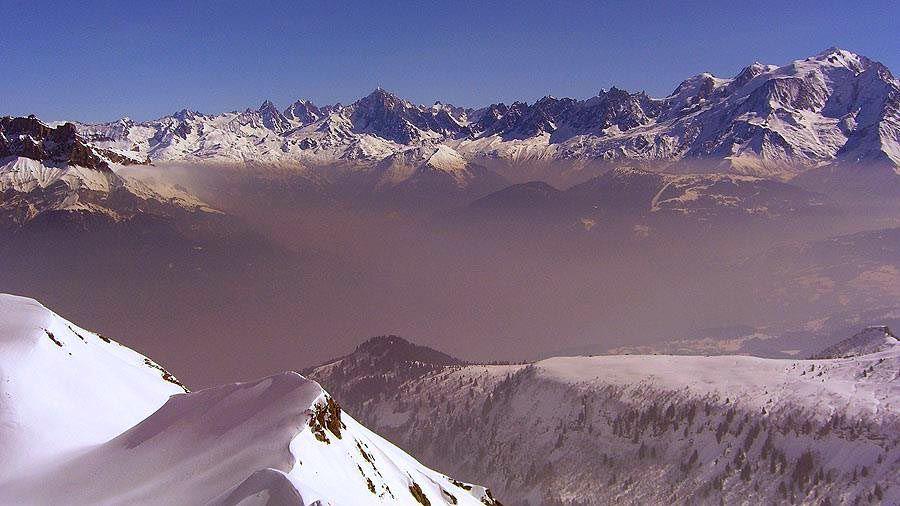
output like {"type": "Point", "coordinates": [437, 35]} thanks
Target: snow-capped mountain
{"type": "Point", "coordinates": [645, 428]}
{"type": "Point", "coordinates": [52, 173]}
{"type": "Point", "coordinates": [85, 420]}
{"type": "Point", "coordinates": [303, 112]}
{"type": "Point", "coordinates": [437, 172]}
{"type": "Point", "coordinates": [833, 107]}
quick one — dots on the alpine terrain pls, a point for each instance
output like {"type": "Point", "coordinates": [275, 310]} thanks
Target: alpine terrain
{"type": "Point", "coordinates": [50, 174]}
{"type": "Point", "coordinates": [832, 109]}
{"type": "Point", "coordinates": [646, 429]}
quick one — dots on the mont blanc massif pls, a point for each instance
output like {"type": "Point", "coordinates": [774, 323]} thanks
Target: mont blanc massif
{"type": "Point", "coordinates": [690, 299]}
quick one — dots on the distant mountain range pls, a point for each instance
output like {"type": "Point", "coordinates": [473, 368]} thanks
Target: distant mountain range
{"type": "Point", "coordinates": [833, 107]}
{"type": "Point", "coordinates": [829, 124]}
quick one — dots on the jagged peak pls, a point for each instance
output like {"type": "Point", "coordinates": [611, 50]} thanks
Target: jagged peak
{"type": "Point", "coordinates": [30, 121]}
{"type": "Point", "coordinates": [185, 114]}
{"type": "Point", "coordinates": [614, 91]}
{"type": "Point", "coordinates": [267, 105]}
{"type": "Point", "coordinates": [61, 143]}
{"type": "Point", "coordinates": [381, 93]}
{"type": "Point", "coordinates": [305, 111]}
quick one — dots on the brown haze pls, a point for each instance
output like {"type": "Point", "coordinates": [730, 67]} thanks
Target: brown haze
{"type": "Point", "coordinates": [305, 278]}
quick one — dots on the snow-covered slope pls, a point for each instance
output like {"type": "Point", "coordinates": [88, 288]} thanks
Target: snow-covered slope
{"type": "Point", "coordinates": [835, 106]}
{"type": "Point", "coordinates": [653, 428]}
{"type": "Point", "coordinates": [65, 388]}
{"type": "Point", "coordinates": [52, 171]}
{"type": "Point", "coordinates": [84, 420]}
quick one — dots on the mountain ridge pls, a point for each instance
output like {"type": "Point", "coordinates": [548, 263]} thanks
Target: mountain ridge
{"type": "Point", "coordinates": [833, 107]}
{"type": "Point", "coordinates": [654, 428]}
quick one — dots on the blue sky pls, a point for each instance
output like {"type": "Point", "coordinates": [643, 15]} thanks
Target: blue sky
{"type": "Point", "coordinates": [97, 61]}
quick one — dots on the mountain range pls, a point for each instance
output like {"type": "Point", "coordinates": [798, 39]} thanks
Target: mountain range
{"type": "Point", "coordinates": [829, 124]}
{"type": "Point", "coordinates": [835, 107]}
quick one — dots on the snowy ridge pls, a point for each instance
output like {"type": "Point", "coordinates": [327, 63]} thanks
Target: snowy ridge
{"type": "Point", "coordinates": [65, 388]}
{"type": "Point", "coordinates": [656, 428]}
{"type": "Point", "coordinates": [77, 406]}
{"type": "Point", "coordinates": [773, 121]}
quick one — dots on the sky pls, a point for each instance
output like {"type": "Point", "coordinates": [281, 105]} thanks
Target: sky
{"type": "Point", "coordinates": [99, 61]}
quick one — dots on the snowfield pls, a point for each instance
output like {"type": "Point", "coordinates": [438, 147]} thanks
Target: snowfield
{"type": "Point", "coordinates": [84, 420]}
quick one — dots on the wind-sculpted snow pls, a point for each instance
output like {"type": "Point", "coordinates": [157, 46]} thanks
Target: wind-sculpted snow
{"type": "Point", "coordinates": [63, 388]}
{"type": "Point", "coordinates": [87, 421]}
{"type": "Point", "coordinates": [657, 429]}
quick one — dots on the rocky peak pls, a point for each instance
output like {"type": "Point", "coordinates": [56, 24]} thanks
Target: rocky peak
{"type": "Point", "coordinates": [186, 115]}
{"type": "Point", "coordinates": [747, 74]}
{"type": "Point", "coordinates": [521, 198]}
{"type": "Point", "coordinates": [272, 117]}
{"type": "Point", "coordinates": [695, 85]}
{"type": "Point", "coordinates": [31, 138]}
{"type": "Point", "coordinates": [381, 99]}
{"type": "Point", "coordinates": [386, 115]}
{"type": "Point", "coordinates": [303, 112]}
{"type": "Point", "coordinates": [615, 107]}
{"type": "Point", "coordinates": [377, 367]}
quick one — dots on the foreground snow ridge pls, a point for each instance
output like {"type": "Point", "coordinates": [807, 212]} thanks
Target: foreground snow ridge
{"type": "Point", "coordinates": [84, 420]}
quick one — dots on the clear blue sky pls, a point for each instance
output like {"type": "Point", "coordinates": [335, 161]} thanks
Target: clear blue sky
{"type": "Point", "coordinates": [98, 61]}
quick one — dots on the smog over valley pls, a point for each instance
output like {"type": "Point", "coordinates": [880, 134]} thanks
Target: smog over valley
{"type": "Point", "coordinates": [617, 253]}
